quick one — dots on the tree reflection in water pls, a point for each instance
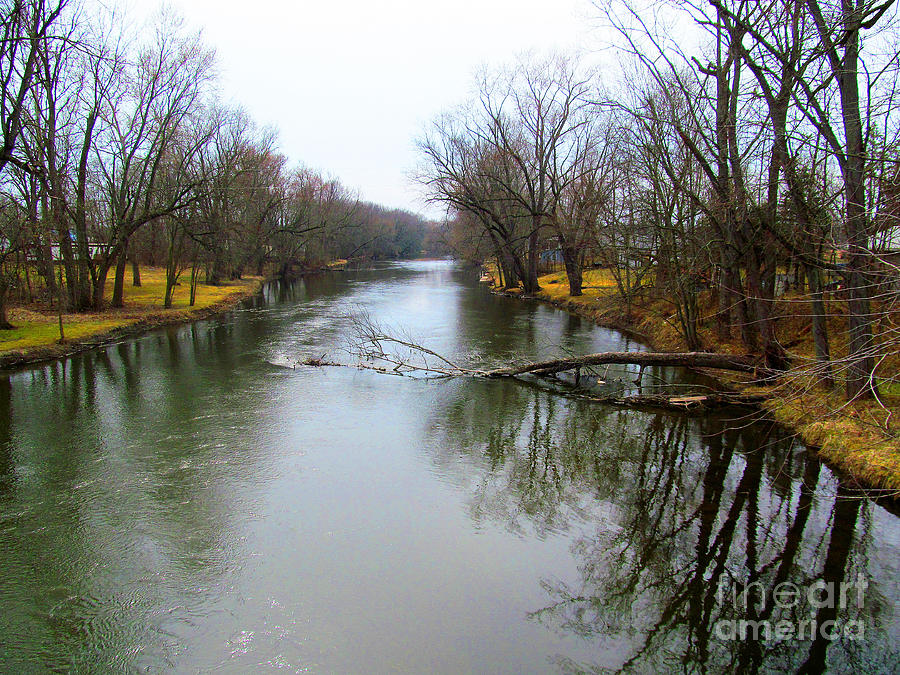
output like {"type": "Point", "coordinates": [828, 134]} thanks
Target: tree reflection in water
{"type": "Point", "coordinates": [688, 527]}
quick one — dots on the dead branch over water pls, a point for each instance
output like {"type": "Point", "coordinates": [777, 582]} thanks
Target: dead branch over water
{"type": "Point", "coordinates": [389, 351]}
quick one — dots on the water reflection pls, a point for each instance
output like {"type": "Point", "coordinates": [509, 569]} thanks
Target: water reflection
{"type": "Point", "coordinates": [688, 526]}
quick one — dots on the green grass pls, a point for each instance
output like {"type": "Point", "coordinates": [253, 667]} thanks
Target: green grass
{"type": "Point", "coordinates": [29, 334]}
{"type": "Point", "coordinates": [889, 388]}
{"type": "Point", "coordinates": [854, 440]}
{"type": "Point", "coordinates": [152, 291]}
{"type": "Point", "coordinates": [37, 327]}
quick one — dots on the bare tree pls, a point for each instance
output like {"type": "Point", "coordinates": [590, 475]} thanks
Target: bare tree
{"type": "Point", "coordinates": [513, 154]}
{"type": "Point", "coordinates": [815, 63]}
{"type": "Point", "coordinates": [26, 27]}
{"type": "Point", "coordinates": [144, 118]}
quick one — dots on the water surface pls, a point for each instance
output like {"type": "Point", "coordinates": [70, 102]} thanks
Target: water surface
{"type": "Point", "coordinates": [185, 501]}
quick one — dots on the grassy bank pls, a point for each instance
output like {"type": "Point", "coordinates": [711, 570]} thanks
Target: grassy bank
{"type": "Point", "coordinates": [36, 334]}
{"type": "Point", "coordinates": [861, 439]}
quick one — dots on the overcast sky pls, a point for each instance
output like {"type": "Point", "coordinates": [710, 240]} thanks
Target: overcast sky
{"type": "Point", "coordinates": [350, 84]}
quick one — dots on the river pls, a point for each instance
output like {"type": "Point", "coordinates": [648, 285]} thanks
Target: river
{"type": "Point", "coordinates": [186, 501]}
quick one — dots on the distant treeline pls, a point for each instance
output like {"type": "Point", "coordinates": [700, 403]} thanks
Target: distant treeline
{"type": "Point", "coordinates": [384, 233]}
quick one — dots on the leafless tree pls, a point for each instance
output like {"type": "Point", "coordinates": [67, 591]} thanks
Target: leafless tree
{"type": "Point", "coordinates": [26, 27]}
{"type": "Point", "coordinates": [144, 119]}
{"type": "Point", "coordinates": [823, 67]}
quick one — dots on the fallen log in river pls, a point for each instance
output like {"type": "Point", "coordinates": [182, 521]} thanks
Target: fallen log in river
{"type": "Point", "coordinates": [681, 402]}
{"type": "Point", "coordinates": [730, 362]}
{"type": "Point", "coordinates": [381, 350]}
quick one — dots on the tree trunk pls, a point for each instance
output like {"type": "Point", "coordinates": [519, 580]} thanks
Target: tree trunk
{"type": "Point", "coordinates": [775, 355]}
{"type": "Point", "coordinates": [852, 159]}
{"type": "Point", "coordinates": [216, 272]}
{"type": "Point", "coordinates": [573, 269]}
{"type": "Point", "coordinates": [100, 284]}
{"type": "Point", "coordinates": [86, 269]}
{"type": "Point", "coordinates": [530, 282]}
{"type": "Point", "coordinates": [743, 364]}
{"type": "Point", "coordinates": [59, 310]}
{"type": "Point", "coordinates": [761, 295]}
{"type": "Point", "coordinates": [862, 362]}
{"type": "Point", "coordinates": [285, 273]}
{"type": "Point", "coordinates": [172, 255]}
{"type": "Point", "coordinates": [688, 312]}
{"type": "Point", "coordinates": [82, 276]}
{"type": "Point", "coordinates": [819, 325]}
{"type": "Point", "coordinates": [503, 263]}
{"type": "Point", "coordinates": [516, 267]}
{"type": "Point", "coordinates": [723, 325]}
{"type": "Point", "coordinates": [778, 113]}
{"type": "Point", "coordinates": [732, 301]}
{"type": "Point", "coordinates": [45, 267]}
{"type": "Point", "coordinates": [30, 294]}
{"type": "Point", "coordinates": [77, 301]}
{"type": "Point", "coordinates": [118, 298]}
{"type": "Point", "coordinates": [4, 292]}
{"type": "Point", "coordinates": [41, 240]}
{"type": "Point", "coordinates": [170, 284]}
{"type": "Point", "coordinates": [135, 273]}
{"type": "Point", "coordinates": [727, 289]}
{"type": "Point", "coordinates": [195, 277]}
{"type": "Point", "coordinates": [799, 276]}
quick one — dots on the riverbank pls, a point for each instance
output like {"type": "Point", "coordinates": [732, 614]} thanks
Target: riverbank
{"type": "Point", "coordinates": [36, 336]}
{"type": "Point", "coordinates": [861, 439]}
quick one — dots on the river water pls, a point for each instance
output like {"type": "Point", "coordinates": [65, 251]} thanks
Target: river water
{"type": "Point", "coordinates": [186, 501]}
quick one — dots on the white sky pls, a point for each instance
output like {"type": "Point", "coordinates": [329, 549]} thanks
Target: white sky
{"type": "Point", "coordinates": [350, 84]}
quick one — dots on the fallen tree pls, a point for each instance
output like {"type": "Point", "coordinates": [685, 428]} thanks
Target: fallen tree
{"type": "Point", "coordinates": [730, 362]}
{"type": "Point", "coordinates": [681, 402]}
{"type": "Point", "coordinates": [375, 343]}
{"type": "Point", "coordinates": [392, 352]}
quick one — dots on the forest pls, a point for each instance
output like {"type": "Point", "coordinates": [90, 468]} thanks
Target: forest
{"type": "Point", "coordinates": [117, 153]}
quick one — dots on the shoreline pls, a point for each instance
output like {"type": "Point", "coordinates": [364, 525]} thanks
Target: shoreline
{"type": "Point", "coordinates": [862, 467]}
{"type": "Point", "coordinates": [142, 322]}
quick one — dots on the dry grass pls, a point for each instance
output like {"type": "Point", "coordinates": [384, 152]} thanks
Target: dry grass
{"type": "Point", "coordinates": [860, 439]}
{"type": "Point", "coordinates": [36, 329]}
{"type": "Point", "coordinates": [151, 292]}
{"type": "Point", "coordinates": [595, 284]}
